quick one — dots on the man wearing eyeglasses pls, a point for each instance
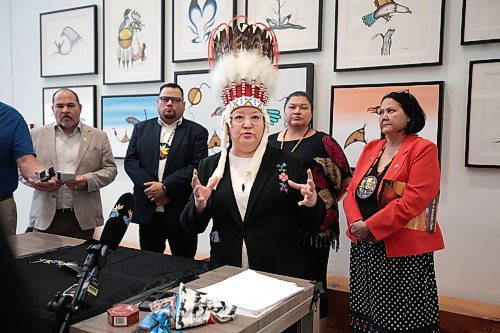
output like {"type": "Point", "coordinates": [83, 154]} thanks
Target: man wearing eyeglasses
{"type": "Point", "coordinates": [160, 159]}
{"type": "Point", "coordinates": [83, 158]}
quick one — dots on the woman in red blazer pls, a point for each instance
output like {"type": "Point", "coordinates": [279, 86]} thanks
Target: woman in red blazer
{"type": "Point", "coordinates": [391, 205]}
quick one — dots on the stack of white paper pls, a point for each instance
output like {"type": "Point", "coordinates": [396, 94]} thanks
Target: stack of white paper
{"type": "Point", "coordinates": [253, 293]}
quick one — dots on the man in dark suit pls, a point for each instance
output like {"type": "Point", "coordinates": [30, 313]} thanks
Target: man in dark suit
{"type": "Point", "coordinates": [161, 156]}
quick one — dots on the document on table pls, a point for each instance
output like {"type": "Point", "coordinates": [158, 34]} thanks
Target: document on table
{"type": "Point", "coordinates": [253, 293]}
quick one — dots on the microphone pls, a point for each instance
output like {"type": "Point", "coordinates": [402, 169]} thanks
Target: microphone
{"type": "Point", "coordinates": [112, 234]}
{"type": "Point", "coordinates": [84, 293]}
{"type": "Point", "coordinates": [118, 221]}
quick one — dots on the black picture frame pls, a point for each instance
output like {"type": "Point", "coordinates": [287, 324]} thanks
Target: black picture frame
{"type": "Point", "coordinates": [291, 29]}
{"type": "Point", "coordinates": [355, 44]}
{"type": "Point", "coordinates": [68, 42]}
{"type": "Point", "coordinates": [482, 139]}
{"type": "Point", "coordinates": [475, 29]}
{"type": "Point", "coordinates": [119, 113]}
{"type": "Point", "coordinates": [147, 20]}
{"type": "Point", "coordinates": [188, 43]}
{"type": "Point", "coordinates": [204, 106]}
{"type": "Point", "coordinates": [352, 108]}
{"type": "Point", "coordinates": [86, 95]}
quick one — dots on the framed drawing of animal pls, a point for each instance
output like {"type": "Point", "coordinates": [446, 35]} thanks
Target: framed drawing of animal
{"type": "Point", "coordinates": [68, 42]}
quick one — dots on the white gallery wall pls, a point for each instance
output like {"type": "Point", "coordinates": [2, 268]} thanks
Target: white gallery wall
{"type": "Point", "coordinates": [470, 198]}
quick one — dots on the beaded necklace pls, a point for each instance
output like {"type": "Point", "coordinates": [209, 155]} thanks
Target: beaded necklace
{"type": "Point", "coordinates": [297, 144]}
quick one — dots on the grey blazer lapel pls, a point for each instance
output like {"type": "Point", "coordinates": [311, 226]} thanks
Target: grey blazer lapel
{"type": "Point", "coordinates": [85, 138]}
{"type": "Point", "coordinates": [51, 137]}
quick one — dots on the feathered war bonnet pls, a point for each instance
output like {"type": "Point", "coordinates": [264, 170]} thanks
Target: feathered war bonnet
{"type": "Point", "coordinates": [243, 59]}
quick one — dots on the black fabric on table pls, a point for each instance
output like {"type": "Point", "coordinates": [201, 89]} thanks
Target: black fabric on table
{"type": "Point", "coordinates": [127, 272]}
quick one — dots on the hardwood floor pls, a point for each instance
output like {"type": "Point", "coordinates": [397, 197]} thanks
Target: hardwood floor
{"type": "Point", "coordinates": [338, 315]}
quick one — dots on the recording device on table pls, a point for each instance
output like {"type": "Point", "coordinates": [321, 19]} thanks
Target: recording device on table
{"type": "Point", "coordinates": [65, 176]}
{"type": "Point", "coordinates": [45, 175]}
{"type": "Point", "coordinates": [84, 293]}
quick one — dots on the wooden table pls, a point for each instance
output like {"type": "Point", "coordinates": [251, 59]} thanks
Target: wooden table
{"type": "Point", "coordinates": [276, 320]}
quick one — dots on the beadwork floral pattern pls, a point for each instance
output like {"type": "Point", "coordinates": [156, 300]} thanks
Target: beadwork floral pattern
{"type": "Point", "coordinates": [283, 177]}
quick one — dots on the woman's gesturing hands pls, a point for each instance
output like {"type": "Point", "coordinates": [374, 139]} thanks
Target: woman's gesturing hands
{"type": "Point", "coordinates": [308, 190]}
{"type": "Point", "coordinates": [202, 193]}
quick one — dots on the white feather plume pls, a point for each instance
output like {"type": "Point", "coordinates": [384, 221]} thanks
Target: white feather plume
{"type": "Point", "coordinates": [247, 64]}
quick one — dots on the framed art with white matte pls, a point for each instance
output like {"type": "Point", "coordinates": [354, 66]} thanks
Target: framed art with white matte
{"type": "Point", "coordinates": [68, 42]}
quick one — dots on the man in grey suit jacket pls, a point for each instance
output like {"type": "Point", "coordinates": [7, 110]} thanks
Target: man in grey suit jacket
{"type": "Point", "coordinates": [72, 207]}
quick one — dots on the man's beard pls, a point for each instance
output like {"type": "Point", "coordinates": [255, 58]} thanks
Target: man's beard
{"type": "Point", "coordinates": [169, 114]}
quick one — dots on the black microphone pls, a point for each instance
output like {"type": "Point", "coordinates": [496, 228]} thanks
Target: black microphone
{"type": "Point", "coordinates": [118, 221]}
{"type": "Point", "coordinates": [111, 236]}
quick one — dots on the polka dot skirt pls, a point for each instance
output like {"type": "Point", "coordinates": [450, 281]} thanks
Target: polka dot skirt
{"type": "Point", "coordinates": [392, 294]}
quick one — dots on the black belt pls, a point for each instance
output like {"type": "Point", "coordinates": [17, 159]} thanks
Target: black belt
{"type": "Point", "coordinates": [65, 210]}
{"type": "Point", "coordinates": [5, 197]}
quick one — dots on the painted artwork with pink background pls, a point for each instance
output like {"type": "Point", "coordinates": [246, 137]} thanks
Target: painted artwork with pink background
{"type": "Point", "coordinates": [354, 121]}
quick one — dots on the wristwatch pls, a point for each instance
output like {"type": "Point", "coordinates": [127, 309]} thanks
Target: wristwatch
{"type": "Point", "coordinates": [164, 188]}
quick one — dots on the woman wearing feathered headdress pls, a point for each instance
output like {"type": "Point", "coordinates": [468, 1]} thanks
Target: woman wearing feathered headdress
{"type": "Point", "coordinates": [247, 188]}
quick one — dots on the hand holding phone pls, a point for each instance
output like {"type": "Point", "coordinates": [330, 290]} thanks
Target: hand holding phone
{"type": "Point", "coordinates": [65, 176]}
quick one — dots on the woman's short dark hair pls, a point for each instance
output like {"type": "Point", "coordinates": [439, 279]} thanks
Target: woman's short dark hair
{"type": "Point", "coordinates": [412, 109]}
{"type": "Point", "coordinates": [299, 94]}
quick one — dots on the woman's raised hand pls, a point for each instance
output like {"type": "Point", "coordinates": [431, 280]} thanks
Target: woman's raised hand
{"type": "Point", "coordinates": [308, 190]}
{"type": "Point", "coordinates": [202, 193]}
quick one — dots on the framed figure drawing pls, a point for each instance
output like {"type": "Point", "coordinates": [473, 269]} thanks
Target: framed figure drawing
{"type": "Point", "coordinates": [482, 145]}
{"type": "Point", "coordinates": [480, 22]}
{"type": "Point", "coordinates": [68, 42]}
{"type": "Point", "coordinates": [354, 120]}
{"type": "Point", "coordinates": [120, 113]}
{"type": "Point", "coordinates": [133, 41]}
{"type": "Point", "coordinates": [385, 34]}
{"type": "Point", "coordinates": [297, 24]}
{"type": "Point", "coordinates": [86, 95]}
{"type": "Point", "coordinates": [192, 22]}
{"type": "Point", "coordinates": [205, 107]}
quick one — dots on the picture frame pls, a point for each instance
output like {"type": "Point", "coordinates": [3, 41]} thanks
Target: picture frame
{"type": "Point", "coordinates": [482, 140]}
{"type": "Point", "coordinates": [192, 24]}
{"type": "Point", "coordinates": [480, 22]}
{"type": "Point", "coordinates": [68, 42]}
{"type": "Point", "coordinates": [205, 107]}
{"type": "Point", "coordinates": [133, 41]}
{"type": "Point", "coordinates": [298, 25]}
{"type": "Point", "coordinates": [353, 118]}
{"type": "Point", "coordinates": [119, 114]}
{"type": "Point", "coordinates": [366, 40]}
{"type": "Point", "coordinates": [86, 95]}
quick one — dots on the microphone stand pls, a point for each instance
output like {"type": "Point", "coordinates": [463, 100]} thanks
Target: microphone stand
{"type": "Point", "coordinates": [86, 291]}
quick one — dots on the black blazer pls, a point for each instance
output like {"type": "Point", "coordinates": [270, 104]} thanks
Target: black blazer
{"type": "Point", "coordinates": [271, 224]}
{"type": "Point", "coordinates": [189, 146]}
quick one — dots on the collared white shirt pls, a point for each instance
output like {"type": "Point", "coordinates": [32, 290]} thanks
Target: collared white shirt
{"type": "Point", "coordinates": [67, 148]}
{"type": "Point", "coordinates": [166, 136]}
{"type": "Point", "coordinates": [242, 185]}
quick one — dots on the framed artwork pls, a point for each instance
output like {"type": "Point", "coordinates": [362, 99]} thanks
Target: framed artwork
{"type": "Point", "coordinates": [192, 22]}
{"type": "Point", "coordinates": [354, 120]}
{"type": "Point", "coordinates": [133, 41]}
{"type": "Point", "coordinates": [205, 107]}
{"type": "Point", "coordinates": [120, 113]}
{"type": "Point", "coordinates": [482, 144]}
{"type": "Point", "coordinates": [297, 24]}
{"type": "Point", "coordinates": [68, 42]}
{"type": "Point", "coordinates": [385, 34]}
{"type": "Point", "coordinates": [480, 22]}
{"type": "Point", "coordinates": [86, 95]}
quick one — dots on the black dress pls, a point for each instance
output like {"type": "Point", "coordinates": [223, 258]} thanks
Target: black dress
{"type": "Point", "coordinates": [329, 166]}
{"type": "Point", "coordinates": [390, 294]}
